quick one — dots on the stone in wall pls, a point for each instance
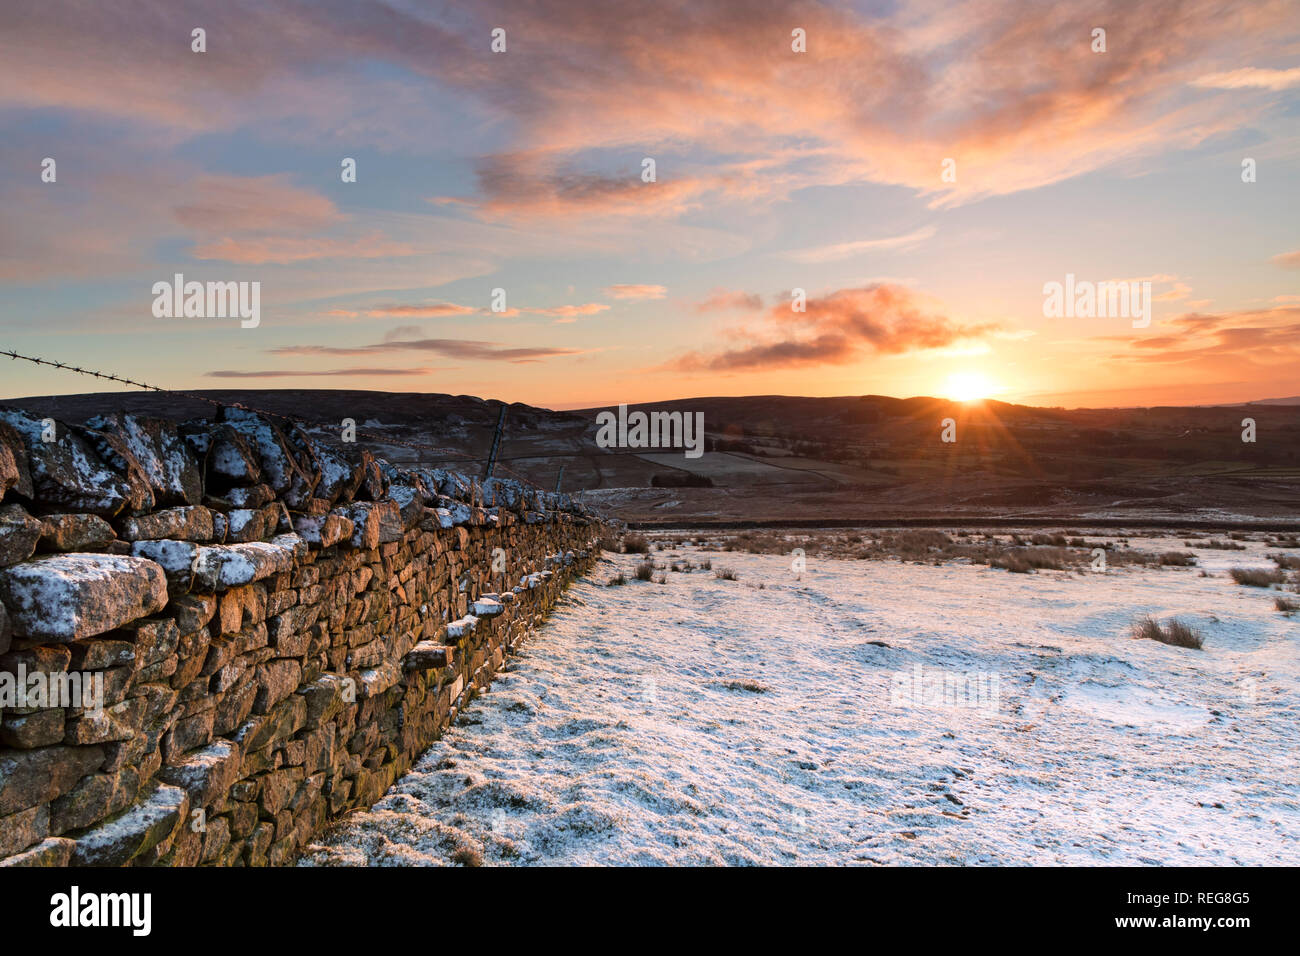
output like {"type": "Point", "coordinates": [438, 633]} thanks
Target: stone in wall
{"type": "Point", "coordinates": [15, 476]}
{"type": "Point", "coordinates": [71, 596]}
{"type": "Point", "coordinates": [157, 447]}
{"type": "Point", "coordinates": [66, 473]}
{"type": "Point", "coordinates": [73, 532]}
{"type": "Point", "coordinates": [19, 534]}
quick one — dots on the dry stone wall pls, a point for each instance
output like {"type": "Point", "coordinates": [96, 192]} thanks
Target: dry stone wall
{"type": "Point", "coordinates": [276, 628]}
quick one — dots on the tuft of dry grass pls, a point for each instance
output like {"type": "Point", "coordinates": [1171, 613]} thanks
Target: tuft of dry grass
{"type": "Point", "coordinates": [616, 580]}
{"type": "Point", "coordinates": [1024, 560]}
{"type": "Point", "coordinates": [644, 571]}
{"type": "Point", "coordinates": [1289, 562]}
{"type": "Point", "coordinates": [1285, 606]}
{"type": "Point", "coordinates": [1174, 632]}
{"type": "Point", "coordinates": [636, 544]}
{"type": "Point", "coordinates": [753, 686]}
{"type": "Point", "coordinates": [915, 545]}
{"type": "Point", "coordinates": [1216, 544]}
{"type": "Point", "coordinates": [467, 856]}
{"type": "Point", "coordinates": [1012, 562]}
{"type": "Point", "coordinates": [725, 574]}
{"type": "Point", "coordinates": [1056, 540]}
{"type": "Point", "coordinates": [1178, 559]}
{"type": "Point", "coordinates": [1257, 577]}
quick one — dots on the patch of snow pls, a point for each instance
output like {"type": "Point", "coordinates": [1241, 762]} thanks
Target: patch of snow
{"type": "Point", "coordinates": [708, 721]}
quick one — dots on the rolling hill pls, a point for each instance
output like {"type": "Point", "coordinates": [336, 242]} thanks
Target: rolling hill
{"type": "Point", "coordinates": [791, 458]}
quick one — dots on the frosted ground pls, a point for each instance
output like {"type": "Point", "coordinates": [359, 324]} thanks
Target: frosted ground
{"type": "Point", "coordinates": [710, 721]}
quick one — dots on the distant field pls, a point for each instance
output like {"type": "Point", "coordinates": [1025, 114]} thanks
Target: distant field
{"type": "Point", "coordinates": [724, 466]}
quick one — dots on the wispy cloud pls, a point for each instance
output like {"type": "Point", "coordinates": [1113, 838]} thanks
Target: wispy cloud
{"type": "Point", "coordinates": [261, 204]}
{"type": "Point", "coordinates": [430, 311]}
{"type": "Point", "coordinates": [845, 250]}
{"type": "Point", "coordinates": [439, 310]}
{"type": "Point", "coordinates": [453, 348]}
{"type": "Point", "coordinates": [1250, 78]}
{"type": "Point", "coordinates": [1180, 291]}
{"type": "Point", "coordinates": [259, 250]}
{"type": "Point", "coordinates": [340, 372]}
{"type": "Point", "coordinates": [568, 313]}
{"type": "Point", "coordinates": [720, 300]}
{"type": "Point", "coordinates": [636, 292]}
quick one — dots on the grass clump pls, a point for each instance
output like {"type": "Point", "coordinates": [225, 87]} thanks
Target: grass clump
{"type": "Point", "coordinates": [1257, 577]}
{"type": "Point", "coordinates": [636, 544]}
{"type": "Point", "coordinates": [467, 856]}
{"type": "Point", "coordinates": [753, 686]}
{"type": "Point", "coordinates": [644, 571]}
{"type": "Point", "coordinates": [1216, 544]}
{"type": "Point", "coordinates": [1178, 559]}
{"type": "Point", "coordinates": [915, 545]}
{"type": "Point", "coordinates": [725, 574]}
{"type": "Point", "coordinates": [1024, 560]}
{"type": "Point", "coordinates": [1173, 632]}
{"type": "Point", "coordinates": [1056, 540]}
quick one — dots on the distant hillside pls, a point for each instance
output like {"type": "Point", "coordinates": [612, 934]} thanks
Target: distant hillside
{"type": "Point", "coordinates": [1293, 400]}
{"type": "Point", "coordinates": [863, 457]}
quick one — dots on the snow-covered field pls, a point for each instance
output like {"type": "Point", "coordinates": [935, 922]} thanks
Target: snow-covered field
{"type": "Point", "coordinates": [870, 712]}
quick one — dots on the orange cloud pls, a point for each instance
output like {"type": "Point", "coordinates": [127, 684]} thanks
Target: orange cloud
{"type": "Point", "coordinates": [1179, 291]}
{"type": "Point", "coordinates": [1245, 344]}
{"type": "Point", "coordinates": [839, 328]}
{"type": "Point", "coordinates": [435, 310]}
{"type": "Point", "coordinates": [727, 299]}
{"type": "Point", "coordinates": [570, 313]}
{"type": "Point", "coordinates": [636, 292]}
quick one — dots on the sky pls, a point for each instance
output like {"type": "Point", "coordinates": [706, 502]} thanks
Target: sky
{"type": "Point", "coordinates": [647, 194]}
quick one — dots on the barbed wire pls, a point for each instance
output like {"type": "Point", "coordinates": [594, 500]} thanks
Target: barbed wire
{"type": "Point", "coordinates": [442, 452]}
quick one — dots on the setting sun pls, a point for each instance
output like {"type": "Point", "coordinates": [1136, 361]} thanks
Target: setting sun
{"type": "Point", "coordinates": [968, 386]}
